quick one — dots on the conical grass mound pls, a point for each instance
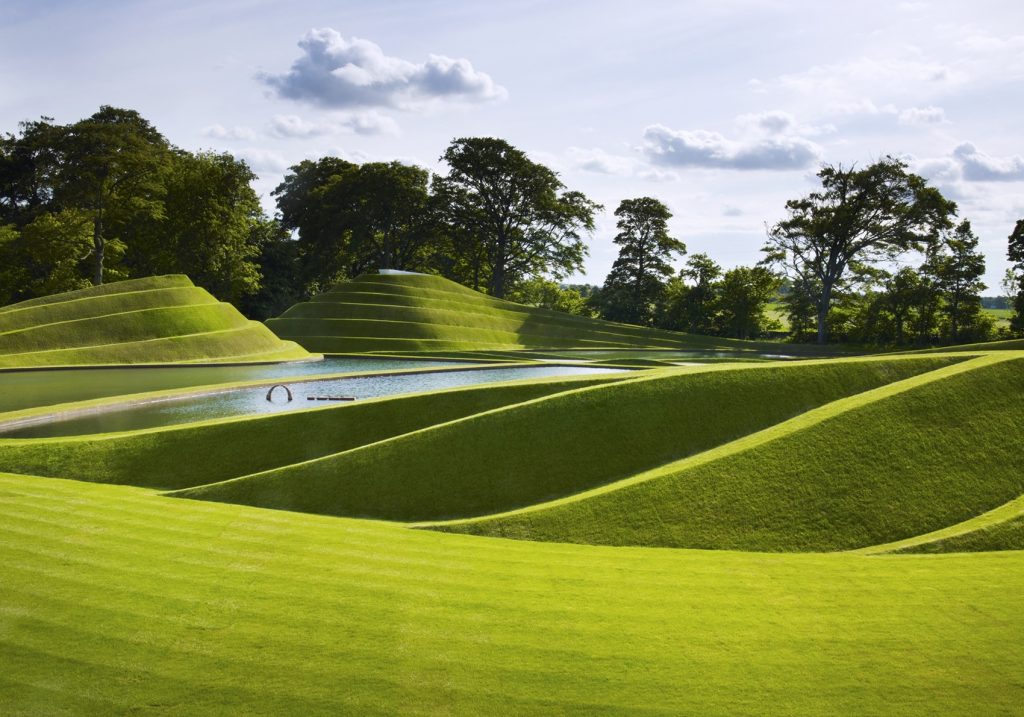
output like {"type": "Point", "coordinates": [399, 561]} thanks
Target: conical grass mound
{"type": "Point", "coordinates": [416, 312]}
{"type": "Point", "coordinates": [156, 320]}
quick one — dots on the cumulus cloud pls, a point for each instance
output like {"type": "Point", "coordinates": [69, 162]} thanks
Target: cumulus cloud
{"type": "Point", "coordinates": [218, 131]}
{"type": "Point", "coordinates": [345, 73]}
{"type": "Point", "coordinates": [979, 167]}
{"type": "Point", "coordinates": [771, 140]}
{"type": "Point", "coordinates": [365, 123]}
{"type": "Point", "coordinates": [262, 160]}
{"type": "Point", "coordinates": [598, 161]}
{"type": "Point", "coordinates": [922, 115]}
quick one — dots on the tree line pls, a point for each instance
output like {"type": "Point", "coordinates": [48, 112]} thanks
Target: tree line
{"type": "Point", "coordinates": [108, 197]}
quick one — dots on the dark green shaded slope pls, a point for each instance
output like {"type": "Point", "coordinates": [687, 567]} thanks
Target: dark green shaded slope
{"type": "Point", "coordinates": [189, 455]}
{"type": "Point", "coordinates": [905, 460]}
{"type": "Point", "coordinates": [559, 445]}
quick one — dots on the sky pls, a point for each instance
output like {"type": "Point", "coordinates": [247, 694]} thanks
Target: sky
{"type": "Point", "coordinates": [722, 110]}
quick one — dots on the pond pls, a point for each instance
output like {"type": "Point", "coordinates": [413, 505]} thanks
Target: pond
{"type": "Point", "coordinates": [28, 389]}
{"type": "Point", "coordinates": [253, 400]}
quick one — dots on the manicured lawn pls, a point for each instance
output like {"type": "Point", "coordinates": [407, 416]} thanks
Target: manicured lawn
{"type": "Point", "coordinates": [115, 600]}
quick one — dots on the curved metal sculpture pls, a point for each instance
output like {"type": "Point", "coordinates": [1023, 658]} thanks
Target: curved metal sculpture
{"type": "Point", "coordinates": [287, 391]}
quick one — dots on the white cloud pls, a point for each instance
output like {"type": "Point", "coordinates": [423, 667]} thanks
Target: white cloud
{"type": "Point", "coordinates": [342, 73]}
{"type": "Point", "coordinates": [768, 140]}
{"type": "Point", "coordinates": [218, 131]}
{"type": "Point", "coordinates": [867, 76]}
{"type": "Point", "coordinates": [980, 167]}
{"type": "Point", "coordinates": [601, 162]}
{"type": "Point", "coordinates": [364, 123]}
{"type": "Point", "coordinates": [262, 160]}
{"type": "Point", "coordinates": [922, 115]}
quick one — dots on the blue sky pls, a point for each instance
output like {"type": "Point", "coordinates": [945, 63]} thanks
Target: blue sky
{"type": "Point", "coordinates": [721, 110]}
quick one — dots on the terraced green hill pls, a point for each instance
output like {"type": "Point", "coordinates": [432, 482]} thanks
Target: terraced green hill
{"type": "Point", "coordinates": [162, 319]}
{"type": "Point", "coordinates": [424, 313]}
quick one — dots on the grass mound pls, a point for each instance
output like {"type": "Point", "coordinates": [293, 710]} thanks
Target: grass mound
{"type": "Point", "coordinates": [558, 445]}
{"type": "Point", "coordinates": [900, 461]}
{"type": "Point", "coordinates": [117, 601]}
{"type": "Point", "coordinates": [161, 319]}
{"type": "Point", "coordinates": [160, 458]}
{"type": "Point", "coordinates": [429, 313]}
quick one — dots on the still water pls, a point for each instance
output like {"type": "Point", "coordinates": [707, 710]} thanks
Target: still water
{"type": "Point", "coordinates": [253, 400]}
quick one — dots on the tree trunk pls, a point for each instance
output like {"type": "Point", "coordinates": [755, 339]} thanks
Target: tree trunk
{"type": "Point", "coordinates": [98, 246]}
{"type": "Point", "coordinates": [823, 306]}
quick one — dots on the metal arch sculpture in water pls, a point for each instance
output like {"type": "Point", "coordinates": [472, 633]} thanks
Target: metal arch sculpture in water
{"type": "Point", "coordinates": [287, 391]}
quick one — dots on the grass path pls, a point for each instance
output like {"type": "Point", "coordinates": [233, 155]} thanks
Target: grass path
{"type": "Point", "coordinates": [115, 600]}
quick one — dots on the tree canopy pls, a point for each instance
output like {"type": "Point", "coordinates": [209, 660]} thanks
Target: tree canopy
{"type": "Point", "coordinates": [510, 215]}
{"type": "Point", "coordinates": [636, 281]}
{"type": "Point", "coordinates": [860, 216]}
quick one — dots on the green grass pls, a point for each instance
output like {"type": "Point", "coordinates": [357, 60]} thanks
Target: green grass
{"type": "Point", "coordinates": [1001, 528]}
{"type": "Point", "coordinates": [902, 460]}
{"type": "Point", "coordinates": [155, 320]}
{"type": "Point", "coordinates": [161, 458]}
{"type": "Point", "coordinates": [429, 313]}
{"type": "Point", "coordinates": [117, 601]}
{"type": "Point", "coordinates": [557, 445]}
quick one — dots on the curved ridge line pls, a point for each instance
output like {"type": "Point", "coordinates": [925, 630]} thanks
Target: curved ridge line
{"type": "Point", "coordinates": [998, 515]}
{"type": "Point", "coordinates": [798, 423]}
{"type": "Point", "coordinates": [652, 374]}
{"type": "Point", "coordinates": [115, 313]}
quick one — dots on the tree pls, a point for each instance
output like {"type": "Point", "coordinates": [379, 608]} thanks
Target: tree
{"type": "Point", "coordinates": [691, 299]}
{"type": "Point", "coordinates": [743, 297]}
{"type": "Point", "coordinates": [322, 236]}
{"type": "Point", "coordinates": [389, 214]}
{"type": "Point", "coordinates": [865, 215]}
{"type": "Point", "coordinates": [1015, 253]}
{"type": "Point", "coordinates": [207, 227]}
{"type": "Point", "coordinates": [636, 281]}
{"type": "Point", "coordinates": [957, 267]}
{"type": "Point", "coordinates": [110, 165]}
{"type": "Point", "coordinates": [547, 294]}
{"type": "Point", "coordinates": [351, 218]}
{"type": "Point", "coordinates": [512, 212]}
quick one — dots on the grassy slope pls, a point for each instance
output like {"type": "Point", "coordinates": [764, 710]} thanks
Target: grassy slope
{"type": "Point", "coordinates": [399, 313]}
{"type": "Point", "coordinates": [903, 460]}
{"type": "Point", "coordinates": [1001, 528]}
{"type": "Point", "coordinates": [558, 445]}
{"type": "Point", "coordinates": [116, 601]}
{"type": "Point", "coordinates": [164, 458]}
{"type": "Point", "coordinates": [154, 320]}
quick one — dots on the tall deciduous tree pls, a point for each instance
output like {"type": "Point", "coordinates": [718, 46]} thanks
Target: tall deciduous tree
{"type": "Point", "coordinates": [1015, 253]}
{"type": "Point", "coordinates": [864, 215]}
{"type": "Point", "coordinates": [110, 165]}
{"type": "Point", "coordinates": [743, 297]}
{"type": "Point", "coordinates": [207, 227]}
{"type": "Point", "coordinates": [957, 267]}
{"type": "Point", "coordinates": [691, 299]}
{"type": "Point", "coordinates": [637, 278]}
{"type": "Point", "coordinates": [514, 210]}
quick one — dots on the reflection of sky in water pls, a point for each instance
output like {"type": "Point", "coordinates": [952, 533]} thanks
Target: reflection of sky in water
{"type": "Point", "coordinates": [27, 389]}
{"type": "Point", "coordinates": [253, 400]}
